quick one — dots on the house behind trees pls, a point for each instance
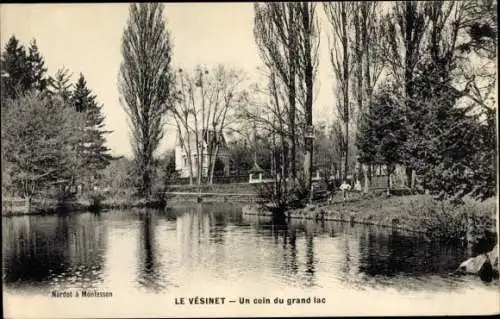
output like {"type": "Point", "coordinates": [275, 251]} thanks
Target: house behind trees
{"type": "Point", "coordinates": [182, 152]}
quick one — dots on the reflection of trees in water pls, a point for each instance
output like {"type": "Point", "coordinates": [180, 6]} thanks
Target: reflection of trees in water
{"type": "Point", "coordinates": [310, 280]}
{"type": "Point", "coordinates": [206, 219]}
{"type": "Point", "coordinates": [389, 254]}
{"type": "Point", "coordinates": [292, 248]}
{"type": "Point", "coordinates": [287, 234]}
{"type": "Point", "coordinates": [202, 229]}
{"type": "Point", "coordinates": [150, 273]}
{"type": "Point", "coordinates": [284, 236]}
{"type": "Point", "coordinates": [87, 242]}
{"type": "Point", "coordinates": [346, 265]}
{"type": "Point", "coordinates": [33, 248]}
{"type": "Point", "coordinates": [63, 250]}
{"type": "Point", "coordinates": [217, 224]}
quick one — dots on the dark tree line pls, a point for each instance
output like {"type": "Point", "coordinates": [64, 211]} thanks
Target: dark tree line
{"type": "Point", "coordinates": [53, 132]}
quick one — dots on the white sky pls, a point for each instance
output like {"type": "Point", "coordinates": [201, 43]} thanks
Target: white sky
{"type": "Point", "coordinates": [87, 38]}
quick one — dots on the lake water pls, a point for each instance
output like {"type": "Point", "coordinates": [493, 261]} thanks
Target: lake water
{"type": "Point", "coordinates": [149, 260]}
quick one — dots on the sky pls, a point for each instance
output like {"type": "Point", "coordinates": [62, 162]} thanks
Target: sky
{"type": "Point", "coordinates": [86, 38]}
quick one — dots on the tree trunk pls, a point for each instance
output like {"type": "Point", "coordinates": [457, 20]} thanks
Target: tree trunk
{"type": "Point", "coordinates": [190, 170]}
{"type": "Point", "coordinates": [346, 159]}
{"type": "Point", "coordinates": [408, 176]}
{"type": "Point", "coordinates": [308, 165]}
{"type": "Point", "coordinates": [413, 178]}
{"type": "Point", "coordinates": [199, 161]}
{"type": "Point", "coordinates": [284, 163]}
{"type": "Point", "coordinates": [190, 162]}
{"type": "Point", "coordinates": [213, 160]}
{"type": "Point", "coordinates": [308, 77]}
{"type": "Point", "coordinates": [388, 181]}
{"type": "Point", "coordinates": [292, 64]}
{"type": "Point", "coordinates": [146, 158]}
{"type": "Point", "coordinates": [345, 86]}
{"type": "Point", "coordinates": [364, 167]}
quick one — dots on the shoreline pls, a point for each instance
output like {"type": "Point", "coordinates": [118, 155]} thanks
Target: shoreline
{"type": "Point", "coordinates": [84, 205]}
{"type": "Point", "coordinates": [80, 205]}
{"type": "Point", "coordinates": [396, 212]}
{"type": "Point", "coordinates": [323, 215]}
{"type": "Point", "coordinates": [420, 214]}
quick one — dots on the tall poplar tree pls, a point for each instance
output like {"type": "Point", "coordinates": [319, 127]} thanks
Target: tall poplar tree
{"type": "Point", "coordinates": [146, 82]}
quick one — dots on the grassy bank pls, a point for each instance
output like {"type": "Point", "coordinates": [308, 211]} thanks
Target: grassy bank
{"type": "Point", "coordinates": [470, 222]}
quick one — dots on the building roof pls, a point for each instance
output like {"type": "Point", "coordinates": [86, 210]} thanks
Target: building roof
{"type": "Point", "coordinates": [256, 169]}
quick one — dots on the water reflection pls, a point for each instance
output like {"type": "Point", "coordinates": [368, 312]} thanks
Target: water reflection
{"type": "Point", "coordinates": [193, 245]}
{"type": "Point", "coordinates": [310, 260]}
{"type": "Point", "coordinates": [149, 256]}
{"type": "Point", "coordinates": [391, 253]}
{"type": "Point", "coordinates": [53, 251]}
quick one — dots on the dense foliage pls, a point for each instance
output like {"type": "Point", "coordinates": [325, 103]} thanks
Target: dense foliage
{"type": "Point", "coordinates": [38, 135]}
{"type": "Point", "coordinates": [52, 135]}
{"type": "Point", "coordinates": [446, 135]}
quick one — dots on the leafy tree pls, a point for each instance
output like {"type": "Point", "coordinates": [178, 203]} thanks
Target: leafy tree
{"type": "Point", "coordinates": [382, 133]}
{"type": "Point", "coordinates": [366, 138]}
{"type": "Point", "coordinates": [146, 83]}
{"type": "Point", "coordinates": [453, 147]}
{"type": "Point", "coordinates": [484, 163]}
{"type": "Point", "coordinates": [165, 172]}
{"type": "Point", "coordinates": [92, 147]}
{"type": "Point", "coordinates": [448, 144]}
{"type": "Point", "coordinates": [405, 28]}
{"type": "Point", "coordinates": [119, 175]}
{"type": "Point", "coordinates": [37, 137]}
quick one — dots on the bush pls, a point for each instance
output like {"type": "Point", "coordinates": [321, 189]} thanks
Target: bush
{"type": "Point", "coordinates": [471, 223]}
{"type": "Point", "coordinates": [284, 197]}
{"type": "Point", "coordinates": [95, 201]}
{"type": "Point", "coordinates": [158, 198]}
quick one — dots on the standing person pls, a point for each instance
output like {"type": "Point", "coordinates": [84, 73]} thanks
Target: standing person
{"type": "Point", "coordinates": [345, 188]}
{"type": "Point", "coordinates": [357, 186]}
